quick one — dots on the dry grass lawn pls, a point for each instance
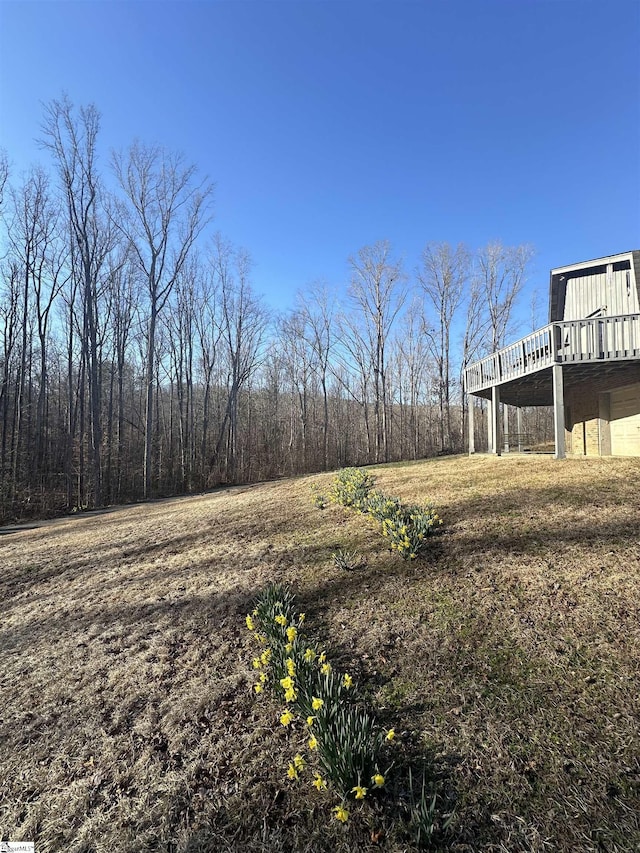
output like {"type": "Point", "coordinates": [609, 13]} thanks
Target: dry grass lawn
{"type": "Point", "coordinates": [509, 658]}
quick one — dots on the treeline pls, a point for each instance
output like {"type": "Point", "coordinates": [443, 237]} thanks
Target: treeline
{"type": "Point", "coordinates": [137, 359]}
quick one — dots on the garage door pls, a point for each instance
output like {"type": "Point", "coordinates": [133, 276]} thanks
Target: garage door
{"type": "Point", "coordinates": [625, 421]}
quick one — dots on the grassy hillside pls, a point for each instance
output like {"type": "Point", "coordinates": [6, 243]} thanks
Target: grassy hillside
{"type": "Point", "coordinates": [509, 658]}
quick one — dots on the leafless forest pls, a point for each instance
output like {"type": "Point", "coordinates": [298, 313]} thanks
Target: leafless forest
{"type": "Point", "coordinates": [138, 358]}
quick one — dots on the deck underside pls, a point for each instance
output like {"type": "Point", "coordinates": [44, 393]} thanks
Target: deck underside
{"type": "Point", "coordinates": [536, 389]}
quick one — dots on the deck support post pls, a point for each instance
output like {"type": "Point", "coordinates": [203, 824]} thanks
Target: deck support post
{"type": "Point", "coordinates": [472, 437]}
{"type": "Point", "coordinates": [505, 427]}
{"type": "Point", "coordinates": [494, 421]}
{"type": "Point", "coordinates": [558, 411]}
{"type": "Point", "coordinates": [519, 428]}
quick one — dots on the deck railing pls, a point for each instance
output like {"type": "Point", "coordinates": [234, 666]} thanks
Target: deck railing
{"type": "Point", "coordinates": [596, 339]}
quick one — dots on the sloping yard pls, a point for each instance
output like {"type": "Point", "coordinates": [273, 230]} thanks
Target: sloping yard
{"type": "Point", "coordinates": [509, 658]}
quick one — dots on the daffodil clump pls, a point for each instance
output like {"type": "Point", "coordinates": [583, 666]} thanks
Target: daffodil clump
{"type": "Point", "coordinates": [409, 529]}
{"type": "Point", "coordinates": [343, 744]}
{"type": "Point", "coordinates": [317, 498]}
{"type": "Point", "coordinates": [406, 527]}
{"type": "Point", "coordinates": [351, 488]}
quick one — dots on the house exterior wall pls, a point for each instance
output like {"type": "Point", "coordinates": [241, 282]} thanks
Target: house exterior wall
{"type": "Point", "coordinates": [586, 360]}
{"type": "Point", "coordinates": [605, 287]}
{"type": "Point", "coordinates": [600, 291]}
{"type": "Point", "coordinates": [582, 434]}
{"type": "Point", "coordinates": [624, 408]}
{"type": "Point", "coordinates": [601, 420]}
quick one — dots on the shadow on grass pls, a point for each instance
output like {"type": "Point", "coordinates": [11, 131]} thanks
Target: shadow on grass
{"type": "Point", "coordinates": [532, 520]}
{"type": "Point", "coordinates": [242, 826]}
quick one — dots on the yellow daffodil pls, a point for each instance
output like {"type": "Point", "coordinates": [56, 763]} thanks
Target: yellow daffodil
{"type": "Point", "coordinates": [347, 681]}
{"type": "Point", "coordinates": [257, 688]}
{"type": "Point", "coordinates": [378, 780]}
{"type": "Point", "coordinates": [292, 773]}
{"type": "Point", "coordinates": [250, 624]}
{"type": "Point", "coordinates": [287, 683]}
{"type": "Point", "coordinates": [280, 619]}
{"type": "Point", "coordinates": [257, 663]}
{"type": "Point", "coordinates": [322, 657]}
{"type": "Point", "coordinates": [286, 718]}
{"type": "Point", "coordinates": [288, 648]}
{"type": "Point", "coordinates": [319, 782]}
{"type": "Point", "coordinates": [299, 762]}
{"type": "Point", "coordinates": [325, 669]}
{"type": "Point", "coordinates": [265, 657]}
{"type": "Point", "coordinates": [290, 695]}
{"type": "Point", "coordinates": [359, 791]}
{"type": "Point", "coordinates": [390, 735]}
{"type": "Point", "coordinates": [316, 703]}
{"type": "Point", "coordinates": [260, 638]}
{"type": "Point", "coordinates": [309, 655]}
{"type": "Point", "coordinates": [292, 633]}
{"type": "Point", "coordinates": [310, 720]}
{"type": "Point", "coordinates": [301, 618]}
{"type": "Point", "coordinates": [291, 666]}
{"type": "Point", "coordinates": [263, 678]}
{"type": "Point", "coordinates": [312, 743]}
{"type": "Point", "coordinates": [341, 813]}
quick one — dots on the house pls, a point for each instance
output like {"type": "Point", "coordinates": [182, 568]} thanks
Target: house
{"type": "Point", "coordinates": [585, 363]}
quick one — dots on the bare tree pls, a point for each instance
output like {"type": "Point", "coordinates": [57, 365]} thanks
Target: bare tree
{"type": "Point", "coordinates": [475, 330]}
{"type": "Point", "coordinates": [442, 276]}
{"type": "Point", "coordinates": [352, 369]}
{"type": "Point", "coordinates": [318, 310]}
{"type": "Point", "coordinates": [501, 274]}
{"type": "Point", "coordinates": [166, 213]}
{"type": "Point", "coordinates": [378, 294]}
{"type": "Point", "coordinates": [244, 321]}
{"type": "Point", "coordinates": [297, 355]}
{"type": "Point", "coordinates": [9, 328]}
{"type": "Point", "coordinates": [209, 333]}
{"type": "Point", "coordinates": [181, 328]}
{"type": "Point", "coordinates": [121, 291]}
{"type": "Point", "coordinates": [413, 369]}
{"type": "Point", "coordinates": [27, 234]}
{"type": "Point", "coordinates": [51, 271]}
{"type": "Point", "coordinates": [4, 174]}
{"type": "Point", "coordinates": [73, 142]}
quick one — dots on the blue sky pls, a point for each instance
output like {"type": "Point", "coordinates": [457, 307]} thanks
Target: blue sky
{"type": "Point", "coordinates": [329, 125]}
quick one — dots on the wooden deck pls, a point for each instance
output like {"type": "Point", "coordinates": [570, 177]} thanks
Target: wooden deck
{"type": "Point", "coordinates": [600, 339]}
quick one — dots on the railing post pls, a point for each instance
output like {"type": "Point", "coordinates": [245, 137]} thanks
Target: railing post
{"type": "Point", "coordinates": [558, 411]}
{"type": "Point", "coordinates": [472, 437]}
